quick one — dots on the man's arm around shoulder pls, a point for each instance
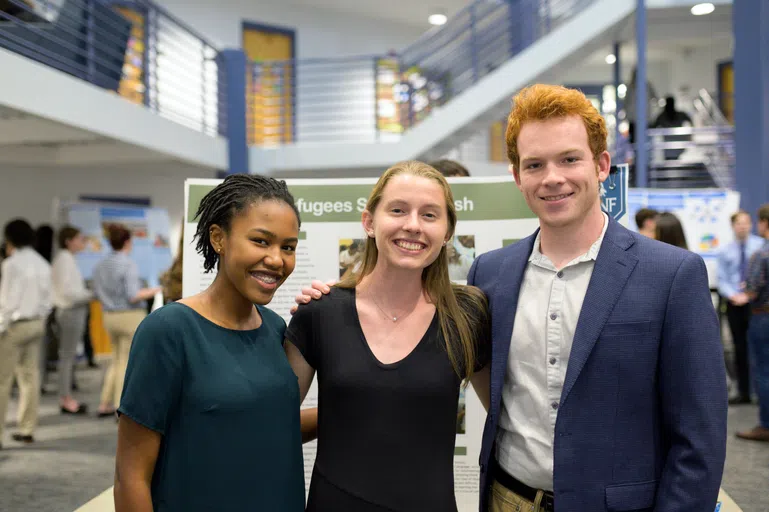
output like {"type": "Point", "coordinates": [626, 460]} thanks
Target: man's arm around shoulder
{"type": "Point", "coordinates": [692, 382]}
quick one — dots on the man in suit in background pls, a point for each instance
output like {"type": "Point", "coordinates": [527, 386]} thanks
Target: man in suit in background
{"type": "Point", "coordinates": [732, 276]}
{"type": "Point", "coordinates": [608, 386]}
{"type": "Point", "coordinates": [757, 288]}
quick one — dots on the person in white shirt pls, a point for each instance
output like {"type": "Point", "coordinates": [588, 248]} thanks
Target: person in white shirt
{"type": "Point", "coordinates": [71, 299]}
{"type": "Point", "coordinates": [25, 301]}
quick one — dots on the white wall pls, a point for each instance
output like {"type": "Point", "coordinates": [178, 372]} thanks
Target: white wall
{"type": "Point", "coordinates": [30, 192]}
{"type": "Point", "coordinates": [695, 69]}
{"type": "Point", "coordinates": [319, 33]}
{"type": "Point", "coordinates": [658, 73]}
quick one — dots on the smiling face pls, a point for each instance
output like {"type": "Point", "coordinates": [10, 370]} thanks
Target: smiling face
{"type": "Point", "coordinates": [258, 252]}
{"type": "Point", "coordinates": [410, 222]}
{"type": "Point", "coordinates": [558, 175]}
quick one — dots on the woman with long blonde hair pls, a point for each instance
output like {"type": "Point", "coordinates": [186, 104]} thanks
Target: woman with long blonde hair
{"type": "Point", "coordinates": [391, 345]}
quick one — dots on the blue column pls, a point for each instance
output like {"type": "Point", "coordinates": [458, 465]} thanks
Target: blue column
{"type": "Point", "coordinates": [641, 154]}
{"type": "Point", "coordinates": [232, 116]}
{"type": "Point", "coordinates": [751, 101]}
{"type": "Point", "coordinates": [618, 106]}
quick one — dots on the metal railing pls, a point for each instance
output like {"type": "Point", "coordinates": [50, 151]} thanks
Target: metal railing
{"type": "Point", "coordinates": [709, 110]}
{"type": "Point", "coordinates": [691, 157]}
{"type": "Point", "coordinates": [377, 98]}
{"type": "Point", "coordinates": [133, 48]}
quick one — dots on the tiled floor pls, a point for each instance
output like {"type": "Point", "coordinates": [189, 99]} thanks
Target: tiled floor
{"type": "Point", "coordinates": [73, 459]}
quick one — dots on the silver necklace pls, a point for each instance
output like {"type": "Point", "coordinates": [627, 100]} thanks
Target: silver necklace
{"type": "Point", "coordinates": [391, 317]}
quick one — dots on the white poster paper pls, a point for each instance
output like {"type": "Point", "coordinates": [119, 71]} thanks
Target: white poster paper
{"type": "Point", "coordinates": [704, 214]}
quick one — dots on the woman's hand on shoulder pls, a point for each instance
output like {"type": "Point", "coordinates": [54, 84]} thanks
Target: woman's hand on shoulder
{"type": "Point", "coordinates": [313, 292]}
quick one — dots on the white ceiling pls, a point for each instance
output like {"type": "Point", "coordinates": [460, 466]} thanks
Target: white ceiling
{"type": "Point", "coordinates": [672, 32]}
{"type": "Point", "coordinates": [408, 12]}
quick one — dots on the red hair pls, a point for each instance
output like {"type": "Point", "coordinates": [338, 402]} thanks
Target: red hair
{"type": "Point", "coordinates": [542, 102]}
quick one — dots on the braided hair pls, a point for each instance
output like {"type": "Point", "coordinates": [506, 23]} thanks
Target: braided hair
{"type": "Point", "coordinates": [233, 195]}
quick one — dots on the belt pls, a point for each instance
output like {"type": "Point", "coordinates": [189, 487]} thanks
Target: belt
{"type": "Point", "coordinates": [760, 309]}
{"type": "Point", "coordinates": [521, 489]}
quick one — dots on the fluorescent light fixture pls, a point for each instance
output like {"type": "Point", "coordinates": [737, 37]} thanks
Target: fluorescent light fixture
{"type": "Point", "coordinates": [611, 59]}
{"type": "Point", "coordinates": [622, 91]}
{"type": "Point", "coordinates": [437, 19]}
{"type": "Point", "coordinates": [704, 8]}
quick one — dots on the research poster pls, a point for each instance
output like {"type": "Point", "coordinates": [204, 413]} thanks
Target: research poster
{"type": "Point", "coordinates": [704, 214]}
{"type": "Point", "coordinates": [492, 213]}
{"type": "Point", "coordinates": [150, 230]}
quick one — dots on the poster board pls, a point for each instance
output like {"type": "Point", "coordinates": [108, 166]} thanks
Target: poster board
{"type": "Point", "coordinates": [492, 213]}
{"type": "Point", "coordinates": [704, 213]}
{"type": "Point", "coordinates": [150, 232]}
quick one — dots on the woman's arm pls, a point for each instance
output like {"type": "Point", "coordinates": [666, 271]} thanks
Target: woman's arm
{"type": "Point", "coordinates": [145, 294]}
{"type": "Point", "coordinates": [309, 420]}
{"type": "Point", "coordinates": [305, 373]}
{"type": "Point", "coordinates": [133, 286]}
{"type": "Point", "coordinates": [137, 451]}
{"type": "Point", "coordinates": [481, 381]}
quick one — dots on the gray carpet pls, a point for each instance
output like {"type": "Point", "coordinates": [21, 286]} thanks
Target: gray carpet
{"type": "Point", "coordinates": [73, 458]}
{"type": "Point", "coordinates": [71, 461]}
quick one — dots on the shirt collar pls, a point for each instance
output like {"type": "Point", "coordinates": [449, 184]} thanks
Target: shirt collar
{"type": "Point", "coordinates": [540, 259]}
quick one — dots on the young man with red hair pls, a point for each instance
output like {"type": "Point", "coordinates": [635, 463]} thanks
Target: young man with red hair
{"type": "Point", "coordinates": [608, 386]}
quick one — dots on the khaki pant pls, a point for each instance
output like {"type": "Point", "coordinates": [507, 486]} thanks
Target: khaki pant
{"type": "Point", "coordinates": [505, 500]}
{"type": "Point", "coordinates": [121, 326]}
{"type": "Point", "coordinates": [20, 356]}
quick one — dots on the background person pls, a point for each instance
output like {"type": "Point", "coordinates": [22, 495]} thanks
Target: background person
{"type": "Point", "coordinates": [732, 271]}
{"type": "Point", "coordinates": [757, 288]}
{"type": "Point", "coordinates": [71, 299]}
{"type": "Point", "coordinates": [25, 302]}
{"type": "Point", "coordinates": [450, 168]}
{"type": "Point", "coordinates": [646, 221]}
{"type": "Point", "coordinates": [117, 286]}
{"type": "Point", "coordinates": [669, 230]}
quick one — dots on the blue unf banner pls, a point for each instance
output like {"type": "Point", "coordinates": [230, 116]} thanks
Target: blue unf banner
{"type": "Point", "coordinates": [614, 192]}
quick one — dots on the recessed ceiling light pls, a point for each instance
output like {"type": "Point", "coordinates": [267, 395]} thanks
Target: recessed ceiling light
{"type": "Point", "coordinates": [704, 8]}
{"type": "Point", "coordinates": [437, 19]}
{"type": "Point", "coordinates": [611, 59]}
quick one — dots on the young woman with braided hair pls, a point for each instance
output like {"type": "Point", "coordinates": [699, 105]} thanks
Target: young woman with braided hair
{"type": "Point", "coordinates": [209, 417]}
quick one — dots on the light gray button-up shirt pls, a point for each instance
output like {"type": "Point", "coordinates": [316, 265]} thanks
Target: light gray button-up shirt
{"type": "Point", "coordinates": [549, 305]}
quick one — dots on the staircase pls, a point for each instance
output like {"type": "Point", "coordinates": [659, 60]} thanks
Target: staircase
{"type": "Point", "coordinates": [694, 157]}
{"type": "Point", "coordinates": [447, 86]}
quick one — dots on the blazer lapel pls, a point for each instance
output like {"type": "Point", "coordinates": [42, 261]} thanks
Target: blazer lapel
{"type": "Point", "coordinates": [613, 267]}
{"type": "Point", "coordinates": [503, 308]}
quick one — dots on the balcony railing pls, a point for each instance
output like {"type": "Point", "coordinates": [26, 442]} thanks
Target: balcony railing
{"type": "Point", "coordinates": [134, 48]}
{"type": "Point", "coordinates": [377, 98]}
{"type": "Point", "coordinates": [689, 157]}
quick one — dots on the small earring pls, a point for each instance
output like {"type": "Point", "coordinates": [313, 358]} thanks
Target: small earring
{"type": "Point", "coordinates": [444, 243]}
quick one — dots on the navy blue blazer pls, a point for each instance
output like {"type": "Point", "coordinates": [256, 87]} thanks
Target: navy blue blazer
{"type": "Point", "coordinates": [642, 418]}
